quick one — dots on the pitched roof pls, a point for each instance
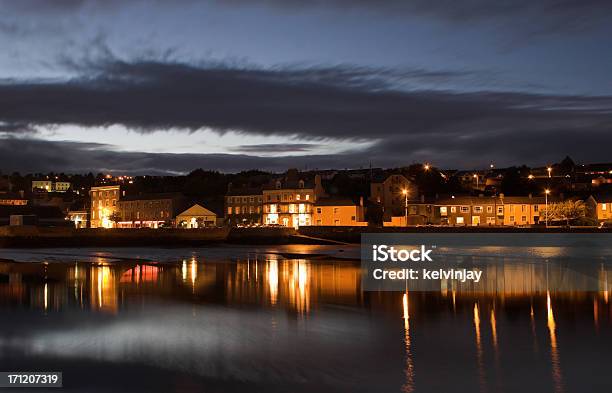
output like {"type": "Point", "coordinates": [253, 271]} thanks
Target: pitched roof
{"type": "Point", "coordinates": [197, 210]}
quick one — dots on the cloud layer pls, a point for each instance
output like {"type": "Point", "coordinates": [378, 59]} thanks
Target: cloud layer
{"type": "Point", "coordinates": [313, 104]}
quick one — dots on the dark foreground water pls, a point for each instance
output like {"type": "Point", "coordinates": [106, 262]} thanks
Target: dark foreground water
{"type": "Point", "coordinates": [257, 320]}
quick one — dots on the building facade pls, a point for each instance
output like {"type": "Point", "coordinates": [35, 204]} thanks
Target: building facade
{"type": "Point", "coordinates": [599, 207]}
{"type": "Point", "coordinates": [149, 211]}
{"type": "Point", "coordinates": [197, 216]}
{"type": "Point", "coordinates": [103, 209]}
{"type": "Point", "coordinates": [390, 193]}
{"type": "Point", "coordinates": [12, 199]}
{"type": "Point", "coordinates": [492, 211]}
{"type": "Point", "coordinates": [338, 212]}
{"type": "Point", "coordinates": [50, 185]}
{"type": "Point", "coordinates": [243, 206]}
{"type": "Point", "coordinates": [289, 201]}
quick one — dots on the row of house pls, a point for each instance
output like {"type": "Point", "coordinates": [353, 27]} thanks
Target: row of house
{"type": "Point", "coordinates": [111, 208]}
{"type": "Point", "coordinates": [296, 199]}
{"type": "Point", "coordinates": [293, 200]}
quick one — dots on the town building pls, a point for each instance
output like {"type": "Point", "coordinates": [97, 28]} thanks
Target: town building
{"type": "Point", "coordinates": [44, 185]}
{"type": "Point", "coordinates": [149, 210]}
{"type": "Point", "coordinates": [390, 193]}
{"type": "Point", "coordinates": [243, 206]}
{"type": "Point", "coordinates": [12, 199]}
{"type": "Point", "coordinates": [338, 212]}
{"type": "Point", "coordinates": [103, 209]}
{"type": "Point", "coordinates": [50, 186]}
{"type": "Point", "coordinates": [197, 216]}
{"type": "Point", "coordinates": [61, 186]}
{"type": "Point", "coordinates": [599, 207]}
{"type": "Point", "coordinates": [416, 212]}
{"type": "Point", "coordinates": [492, 211]}
{"type": "Point", "coordinates": [289, 201]}
{"type": "Point", "coordinates": [467, 210]}
{"type": "Point", "coordinates": [78, 218]}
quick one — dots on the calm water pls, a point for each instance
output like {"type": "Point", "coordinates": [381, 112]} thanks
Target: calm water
{"type": "Point", "coordinates": [245, 319]}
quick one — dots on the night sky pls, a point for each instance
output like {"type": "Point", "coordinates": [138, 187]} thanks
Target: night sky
{"type": "Point", "coordinates": [154, 87]}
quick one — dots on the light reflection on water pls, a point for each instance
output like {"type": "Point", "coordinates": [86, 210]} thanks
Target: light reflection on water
{"type": "Point", "coordinates": [296, 324]}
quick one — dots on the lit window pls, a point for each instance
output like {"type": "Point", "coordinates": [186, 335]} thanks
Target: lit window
{"type": "Point", "coordinates": [477, 209]}
{"type": "Point", "coordinates": [604, 206]}
{"type": "Point", "coordinates": [307, 197]}
{"type": "Point", "coordinates": [229, 210]}
{"type": "Point", "coordinates": [443, 210]}
{"type": "Point", "coordinates": [297, 197]}
{"type": "Point", "coordinates": [465, 209]}
{"type": "Point", "coordinates": [453, 209]}
{"type": "Point", "coordinates": [459, 220]}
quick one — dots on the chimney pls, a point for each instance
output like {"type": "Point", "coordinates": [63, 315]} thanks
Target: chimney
{"type": "Point", "coordinates": [422, 198]}
{"type": "Point", "coordinates": [361, 201]}
{"type": "Point", "coordinates": [530, 195]}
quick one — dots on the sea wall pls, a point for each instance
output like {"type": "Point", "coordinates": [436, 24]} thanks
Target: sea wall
{"type": "Point", "coordinates": [33, 236]}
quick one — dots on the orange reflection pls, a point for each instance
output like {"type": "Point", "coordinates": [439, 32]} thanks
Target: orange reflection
{"type": "Point", "coordinates": [479, 353]}
{"type": "Point", "coordinates": [272, 276]}
{"type": "Point", "coordinates": [409, 384]}
{"type": "Point", "coordinates": [554, 351]}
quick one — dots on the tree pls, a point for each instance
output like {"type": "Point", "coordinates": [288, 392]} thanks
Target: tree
{"type": "Point", "coordinates": [115, 217]}
{"type": "Point", "coordinates": [564, 211]}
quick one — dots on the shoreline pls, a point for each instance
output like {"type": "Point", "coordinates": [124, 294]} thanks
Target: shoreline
{"type": "Point", "coordinates": [55, 237]}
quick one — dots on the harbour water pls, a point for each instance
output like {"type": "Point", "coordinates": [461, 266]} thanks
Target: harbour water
{"type": "Point", "coordinates": [293, 319]}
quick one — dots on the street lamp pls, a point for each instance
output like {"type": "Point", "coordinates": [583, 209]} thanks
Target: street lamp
{"type": "Point", "coordinates": [549, 169]}
{"type": "Point", "coordinates": [530, 177]}
{"type": "Point", "coordinates": [546, 192]}
{"type": "Point", "coordinates": [405, 192]}
{"type": "Point", "coordinates": [476, 177]}
{"type": "Point", "coordinates": [426, 166]}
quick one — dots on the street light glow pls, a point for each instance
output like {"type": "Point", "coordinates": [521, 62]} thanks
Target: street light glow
{"type": "Point", "coordinates": [547, 191]}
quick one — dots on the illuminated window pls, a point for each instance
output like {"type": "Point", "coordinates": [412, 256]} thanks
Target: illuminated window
{"type": "Point", "coordinates": [229, 210]}
{"type": "Point", "coordinates": [453, 209]}
{"type": "Point", "coordinates": [477, 209]}
{"type": "Point", "coordinates": [604, 207]}
{"type": "Point", "coordinates": [307, 197]}
{"type": "Point", "coordinates": [459, 220]}
{"type": "Point", "coordinates": [465, 209]}
{"type": "Point", "coordinates": [500, 210]}
{"type": "Point", "coordinates": [297, 197]}
{"type": "Point", "coordinates": [443, 210]}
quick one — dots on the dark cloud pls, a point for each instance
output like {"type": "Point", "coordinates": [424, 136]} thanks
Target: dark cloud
{"type": "Point", "coordinates": [544, 16]}
{"type": "Point", "coordinates": [315, 104]}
